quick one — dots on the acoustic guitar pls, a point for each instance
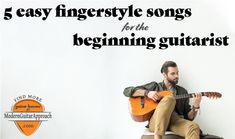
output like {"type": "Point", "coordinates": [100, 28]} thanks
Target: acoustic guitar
{"type": "Point", "coordinates": [142, 108]}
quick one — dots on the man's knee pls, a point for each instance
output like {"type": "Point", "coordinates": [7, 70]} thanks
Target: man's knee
{"type": "Point", "coordinates": [169, 99]}
{"type": "Point", "coordinates": [193, 128]}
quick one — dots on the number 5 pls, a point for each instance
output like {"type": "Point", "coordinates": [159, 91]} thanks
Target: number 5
{"type": "Point", "coordinates": [8, 15]}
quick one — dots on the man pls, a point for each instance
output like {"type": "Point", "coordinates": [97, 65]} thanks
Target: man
{"type": "Point", "coordinates": [170, 114]}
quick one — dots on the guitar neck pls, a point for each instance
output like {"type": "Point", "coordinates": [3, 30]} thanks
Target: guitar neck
{"type": "Point", "coordinates": [187, 95]}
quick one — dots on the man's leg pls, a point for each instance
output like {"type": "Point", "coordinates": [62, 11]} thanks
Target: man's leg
{"type": "Point", "coordinates": [161, 117]}
{"type": "Point", "coordinates": [183, 127]}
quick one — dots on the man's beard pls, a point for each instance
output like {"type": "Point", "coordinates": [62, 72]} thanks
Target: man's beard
{"type": "Point", "coordinates": [172, 82]}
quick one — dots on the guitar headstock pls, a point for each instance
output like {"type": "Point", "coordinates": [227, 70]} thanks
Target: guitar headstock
{"type": "Point", "coordinates": [213, 95]}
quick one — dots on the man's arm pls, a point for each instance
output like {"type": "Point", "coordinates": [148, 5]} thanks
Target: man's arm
{"type": "Point", "coordinates": [193, 113]}
{"type": "Point", "coordinates": [151, 94]}
{"type": "Point", "coordinates": [196, 105]}
{"type": "Point", "coordinates": [142, 90]}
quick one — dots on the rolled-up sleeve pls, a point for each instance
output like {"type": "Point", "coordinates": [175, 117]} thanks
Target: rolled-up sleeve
{"type": "Point", "coordinates": [129, 91]}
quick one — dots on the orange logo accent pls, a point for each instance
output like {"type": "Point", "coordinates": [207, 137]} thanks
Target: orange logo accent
{"type": "Point", "coordinates": [28, 105]}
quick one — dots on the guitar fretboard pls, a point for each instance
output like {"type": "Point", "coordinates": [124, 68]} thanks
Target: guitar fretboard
{"type": "Point", "coordinates": [187, 95]}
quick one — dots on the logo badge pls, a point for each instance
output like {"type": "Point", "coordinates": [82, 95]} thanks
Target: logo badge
{"type": "Point", "coordinates": [28, 113]}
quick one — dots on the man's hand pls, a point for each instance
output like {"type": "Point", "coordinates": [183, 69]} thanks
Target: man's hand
{"type": "Point", "coordinates": [154, 95]}
{"type": "Point", "coordinates": [197, 99]}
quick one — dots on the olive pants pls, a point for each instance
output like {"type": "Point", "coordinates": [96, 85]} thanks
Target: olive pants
{"type": "Point", "coordinates": [164, 118]}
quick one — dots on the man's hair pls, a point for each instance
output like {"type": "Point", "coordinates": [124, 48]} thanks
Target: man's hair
{"type": "Point", "coordinates": [166, 65]}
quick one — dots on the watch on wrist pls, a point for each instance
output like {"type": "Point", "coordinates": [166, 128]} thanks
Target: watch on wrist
{"type": "Point", "coordinates": [196, 108]}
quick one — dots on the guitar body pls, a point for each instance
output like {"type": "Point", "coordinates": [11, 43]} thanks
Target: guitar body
{"type": "Point", "coordinates": [142, 108]}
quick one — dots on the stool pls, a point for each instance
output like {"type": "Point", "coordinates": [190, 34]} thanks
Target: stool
{"type": "Point", "coordinates": [171, 135]}
{"type": "Point", "coordinates": [168, 135]}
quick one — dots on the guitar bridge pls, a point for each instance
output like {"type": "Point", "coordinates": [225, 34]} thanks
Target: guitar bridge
{"type": "Point", "coordinates": [142, 102]}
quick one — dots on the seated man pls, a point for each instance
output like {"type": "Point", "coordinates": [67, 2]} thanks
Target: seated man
{"type": "Point", "coordinates": [170, 114]}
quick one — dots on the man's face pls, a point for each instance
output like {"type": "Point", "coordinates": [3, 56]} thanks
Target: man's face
{"type": "Point", "coordinates": [173, 75]}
